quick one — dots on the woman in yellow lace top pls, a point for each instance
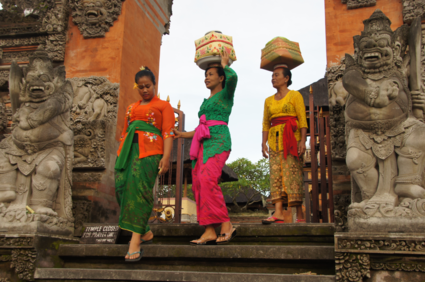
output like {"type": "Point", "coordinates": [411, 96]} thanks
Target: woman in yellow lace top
{"type": "Point", "coordinates": [285, 129]}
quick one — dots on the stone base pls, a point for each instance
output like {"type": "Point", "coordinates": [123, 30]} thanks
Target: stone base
{"type": "Point", "coordinates": [364, 256]}
{"type": "Point", "coordinates": [43, 225]}
{"type": "Point", "coordinates": [390, 224]}
{"type": "Point", "coordinates": [20, 255]}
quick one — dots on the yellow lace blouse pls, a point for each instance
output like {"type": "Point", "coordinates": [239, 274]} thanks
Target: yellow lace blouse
{"type": "Point", "coordinates": [291, 105]}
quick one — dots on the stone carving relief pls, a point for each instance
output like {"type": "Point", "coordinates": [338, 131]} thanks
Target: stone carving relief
{"type": "Point", "coordinates": [5, 258]}
{"type": "Point", "coordinates": [49, 17]}
{"type": "Point", "coordinates": [412, 9]}
{"type": "Point", "coordinates": [13, 242]}
{"type": "Point", "coordinates": [95, 17]}
{"type": "Point", "coordinates": [382, 245]}
{"type": "Point", "coordinates": [94, 105]}
{"type": "Point", "coordinates": [36, 160]}
{"type": "Point", "coordinates": [23, 261]}
{"type": "Point", "coordinates": [341, 203]}
{"type": "Point", "coordinates": [351, 267]}
{"type": "Point", "coordinates": [81, 210]}
{"type": "Point", "coordinates": [337, 97]}
{"type": "Point", "coordinates": [86, 176]}
{"type": "Point", "coordinates": [398, 266]}
{"type": "Point", "coordinates": [4, 77]}
{"type": "Point", "coordinates": [354, 4]}
{"type": "Point", "coordinates": [383, 127]}
{"type": "Point", "coordinates": [3, 117]}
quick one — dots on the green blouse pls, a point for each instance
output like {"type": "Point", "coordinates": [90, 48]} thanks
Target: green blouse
{"type": "Point", "coordinates": [219, 107]}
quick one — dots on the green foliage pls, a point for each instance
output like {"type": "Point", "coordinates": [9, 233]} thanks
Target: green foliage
{"type": "Point", "coordinates": [254, 180]}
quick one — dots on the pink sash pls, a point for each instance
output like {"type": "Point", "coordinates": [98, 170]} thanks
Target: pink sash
{"type": "Point", "coordinates": [202, 132]}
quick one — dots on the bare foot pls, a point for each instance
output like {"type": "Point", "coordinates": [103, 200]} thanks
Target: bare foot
{"type": "Point", "coordinates": [227, 230]}
{"type": "Point", "coordinates": [208, 235]}
{"type": "Point", "coordinates": [134, 247]}
{"type": "Point", "coordinates": [148, 236]}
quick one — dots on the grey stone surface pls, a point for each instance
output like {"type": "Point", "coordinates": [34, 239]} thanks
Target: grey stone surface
{"type": "Point", "coordinates": [36, 160]}
{"type": "Point", "coordinates": [386, 152]}
{"type": "Point", "coordinates": [149, 275]}
{"type": "Point", "coordinates": [210, 252]}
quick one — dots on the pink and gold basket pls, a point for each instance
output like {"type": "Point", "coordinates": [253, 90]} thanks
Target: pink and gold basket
{"type": "Point", "coordinates": [209, 46]}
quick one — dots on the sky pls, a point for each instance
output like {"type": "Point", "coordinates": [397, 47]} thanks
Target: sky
{"type": "Point", "coordinates": [252, 24]}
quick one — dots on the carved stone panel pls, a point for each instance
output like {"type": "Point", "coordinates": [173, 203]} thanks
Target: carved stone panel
{"type": "Point", "coordinates": [23, 261]}
{"type": "Point", "coordinates": [95, 17]}
{"type": "Point", "coordinates": [341, 203]}
{"type": "Point", "coordinates": [29, 27]}
{"type": "Point", "coordinates": [94, 110]}
{"type": "Point", "coordinates": [337, 97]}
{"type": "Point", "coordinates": [351, 267]}
{"type": "Point", "coordinates": [3, 117]}
{"type": "Point", "coordinates": [81, 210]}
{"type": "Point", "coordinates": [354, 4]}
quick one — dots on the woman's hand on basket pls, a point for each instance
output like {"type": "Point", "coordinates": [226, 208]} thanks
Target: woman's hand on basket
{"type": "Point", "coordinates": [265, 150]}
{"type": "Point", "coordinates": [301, 148]}
{"type": "Point", "coordinates": [224, 58]}
{"type": "Point", "coordinates": [164, 166]}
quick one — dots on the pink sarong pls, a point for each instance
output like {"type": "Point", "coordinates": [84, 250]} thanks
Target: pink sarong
{"type": "Point", "coordinates": [202, 132]}
{"type": "Point", "coordinates": [210, 205]}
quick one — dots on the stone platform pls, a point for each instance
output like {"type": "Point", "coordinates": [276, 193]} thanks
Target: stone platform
{"type": "Point", "coordinates": [258, 253]}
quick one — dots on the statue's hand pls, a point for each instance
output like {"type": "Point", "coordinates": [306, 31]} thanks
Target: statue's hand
{"type": "Point", "coordinates": [381, 96]}
{"type": "Point", "coordinates": [33, 119]}
{"type": "Point", "coordinates": [418, 100]}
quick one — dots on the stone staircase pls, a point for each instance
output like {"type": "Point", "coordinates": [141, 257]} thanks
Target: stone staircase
{"type": "Point", "coordinates": [284, 252]}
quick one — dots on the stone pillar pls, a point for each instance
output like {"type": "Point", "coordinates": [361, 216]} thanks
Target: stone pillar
{"type": "Point", "coordinates": [102, 57]}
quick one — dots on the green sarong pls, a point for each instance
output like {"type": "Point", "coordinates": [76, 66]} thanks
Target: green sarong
{"type": "Point", "coordinates": [134, 190]}
{"type": "Point", "coordinates": [122, 160]}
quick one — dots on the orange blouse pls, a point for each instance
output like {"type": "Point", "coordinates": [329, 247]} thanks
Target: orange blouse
{"type": "Point", "coordinates": [157, 113]}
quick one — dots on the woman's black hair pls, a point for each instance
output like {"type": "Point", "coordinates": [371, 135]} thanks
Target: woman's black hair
{"type": "Point", "coordinates": [145, 72]}
{"type": "Point", "coordinates": [220, 72]}
{"type": "Point", "coordinates": [287, 72]}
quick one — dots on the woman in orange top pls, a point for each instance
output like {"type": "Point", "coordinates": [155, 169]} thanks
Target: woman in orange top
{"type": "Point", "coordinates": [143, 153]}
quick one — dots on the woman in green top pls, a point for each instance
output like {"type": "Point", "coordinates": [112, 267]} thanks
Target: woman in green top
{"type": "Point", "coordinates": [210, 149]}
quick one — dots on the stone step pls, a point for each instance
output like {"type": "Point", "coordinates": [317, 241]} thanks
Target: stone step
{"type": "Point", "coordinates": [247, 233]}
{"type": "Point", "coordinates": [278, 259]}
{"type": "Point", "coordinates": [54, 274]}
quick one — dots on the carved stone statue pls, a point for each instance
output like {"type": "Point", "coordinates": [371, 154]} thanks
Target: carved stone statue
{"type": "Point", "coordinates": [385, 137]}
{"type": "Point", "coordinates": [36, 160]}
{"type": "Point", "coordinates": [95, 17]}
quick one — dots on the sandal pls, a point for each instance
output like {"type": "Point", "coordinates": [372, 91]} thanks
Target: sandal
{"type": "Point", "coordinates": [276, 220]}
{"type": "Point", "coordinates": [300, 221]}
{"type": "Point", "coordinates": [228, 236]}
{"type": "Point", "coordinates": [136, 259]}
{"type": "Point", "coordinates": [202, 241]}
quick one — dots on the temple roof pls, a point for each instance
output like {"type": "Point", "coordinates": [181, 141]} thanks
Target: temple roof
{"type": "Point", "coordinates": [320, 93]}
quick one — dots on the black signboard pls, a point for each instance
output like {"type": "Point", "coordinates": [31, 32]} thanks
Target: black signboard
{"type": "Point", "coordinates": [103, 234]}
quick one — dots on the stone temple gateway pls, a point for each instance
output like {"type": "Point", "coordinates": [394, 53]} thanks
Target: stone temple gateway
{"type": "Point", "coordinates": [63, 74]}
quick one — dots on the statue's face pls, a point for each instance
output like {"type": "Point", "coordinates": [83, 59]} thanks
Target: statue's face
{"type": "Point", "coordinates": [94, 11]}
{"type": "Point", "coordinates": [39, 81]}
{"type": "Point", "coordinates": [375, 51]}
